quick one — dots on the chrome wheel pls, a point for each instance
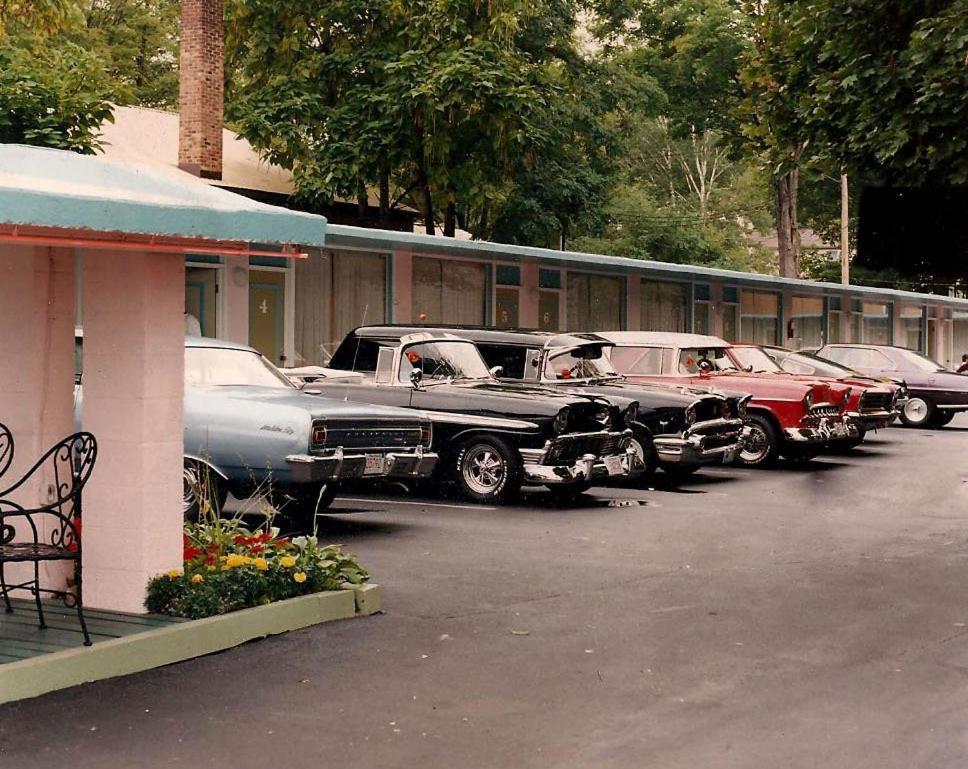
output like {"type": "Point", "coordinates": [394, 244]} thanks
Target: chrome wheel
{"type": "Point", "coordinates": [917, 411]}
{"type": "Point", "coordinates": [191, 487]}
{"type": "Point", "coordinates": [757, 445]}
{"type": "Point", "coordinates": [483, 469]}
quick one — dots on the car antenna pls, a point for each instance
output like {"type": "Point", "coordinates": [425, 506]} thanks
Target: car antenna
{"type": "Point", "coordinates": [356, 352]}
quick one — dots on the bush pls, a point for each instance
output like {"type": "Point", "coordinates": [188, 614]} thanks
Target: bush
{"type": "Point", "coordinates": [229, 567]}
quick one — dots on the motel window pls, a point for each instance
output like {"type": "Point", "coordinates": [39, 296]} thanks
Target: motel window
{"type": "Point", "coordinates": [730, 311]}
{"type": "Point", "coordinates": [664, 306]}
{"type": "Point", "coordinates": [912, 328]}
{"type": "Point", "coordinates": [335, 293]}
{"type": "Point", "coordinates": [834, 314]}
{"type": "Point", "coordinates": [594, 302]}
{"type": "Point", "coordinates": [759, 317]}
{"type": "Point", "coordinates": [805, 328]}
{"type": "Point", "coordinates": [449, 292]}
{"type": "Point", "coordinates": [201, 296]}
{"type": "Point", "coordinates": [507, 296]}
{"type": "Point", "coordinates": [876, 323]}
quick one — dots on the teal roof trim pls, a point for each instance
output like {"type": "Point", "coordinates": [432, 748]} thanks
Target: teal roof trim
{"type": "Point", "coordinates": [339, 235]}
{"type": "Point", "coordinates": [52, 188]}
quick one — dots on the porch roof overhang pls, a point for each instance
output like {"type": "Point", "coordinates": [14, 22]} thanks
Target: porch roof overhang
{"type": "Point", "coordinates": [46, 192]}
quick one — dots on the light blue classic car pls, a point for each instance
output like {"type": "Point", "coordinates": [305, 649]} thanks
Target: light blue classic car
{"type": "Point", "coordinates": [248, 429]}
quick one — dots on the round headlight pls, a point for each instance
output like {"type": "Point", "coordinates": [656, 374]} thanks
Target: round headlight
{"type": "Point", "coordinates": [808, 399]}
{"type": "Point", "coordinates": [742, 406]}
{"type": "Point", "coordinates": [847, 395]}
{"type": "Point", "coordinates": [561, 422]}
{"type": "Point", "coordinates": [690, 415]}
{"type": "Point", "coordinates": [631, 414]}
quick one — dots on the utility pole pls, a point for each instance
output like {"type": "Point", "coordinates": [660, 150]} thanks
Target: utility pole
{"type": "Point", "coordinates": [844, 236]}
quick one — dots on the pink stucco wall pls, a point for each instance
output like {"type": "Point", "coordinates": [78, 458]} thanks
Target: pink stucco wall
{"type": "Point", "coordinates": [36, 366]}
{"type": "Point", "coordinates": [133, 403]}
{"type": "Point", "coordinates": [402, 300]}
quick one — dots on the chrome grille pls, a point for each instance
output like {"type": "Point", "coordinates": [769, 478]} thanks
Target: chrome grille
{"type": "Point", "coordinates": [824, 411]}
{"type": "Point", "coordinates": [568, 448]}
{"type": "Point", "coordinates": [370, 434]}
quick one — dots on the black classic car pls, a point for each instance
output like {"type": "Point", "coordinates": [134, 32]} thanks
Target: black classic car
{"type": "Point", "coordinates": [248, 430]}
{"type": "Point", "coordinates": [492, 436]}
{"type": "Point", "coordinates": [935, 394]}
{"type": "Point", "coordinates": [676, 428]}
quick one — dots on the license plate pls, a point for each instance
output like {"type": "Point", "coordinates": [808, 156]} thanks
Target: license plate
{"type": "Point", "coordinates": [614, 465]}
{"type": "Point", "coordinates": [373, 464]}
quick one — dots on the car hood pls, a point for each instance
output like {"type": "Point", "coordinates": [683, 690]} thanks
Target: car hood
{"type": "Point", "coordinates": [648, 396]}
{"type": "Point", "coordinates": [317, 406]}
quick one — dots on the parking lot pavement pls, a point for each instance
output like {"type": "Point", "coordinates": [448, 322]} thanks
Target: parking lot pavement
{"type": "Point", "coordinates": [812, 616]}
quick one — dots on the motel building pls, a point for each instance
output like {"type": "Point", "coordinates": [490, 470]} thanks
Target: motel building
{"type": "Point", "coordinates": [296, 311]}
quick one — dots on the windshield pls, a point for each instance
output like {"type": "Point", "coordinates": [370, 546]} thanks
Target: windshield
{"type": "Point", "coordinates": [219, 366]}
{"type": "Point", "coordinates": [799, 363]}
{"type": "Point", "coordinates": [754, 359]}
{"type": "Point", "coordinates": [580, 363]}
{"type": "Point", "coordinates": [912, 361]}
{"type": "Point", "coordinates": [689, 359]}
{"type": "Point", "coordinates": [443, 361]}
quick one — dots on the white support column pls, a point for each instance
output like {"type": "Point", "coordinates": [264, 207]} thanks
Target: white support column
{"type": "Point", "coordinates": [133, 403]}
{"type": "Point", "coordinates": [37, 371]}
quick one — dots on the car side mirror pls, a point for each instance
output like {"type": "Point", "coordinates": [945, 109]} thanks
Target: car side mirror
{"type": "Point", "coordinates": [416, 377]}
{"type": "Point", "coordinates": [496, 371]}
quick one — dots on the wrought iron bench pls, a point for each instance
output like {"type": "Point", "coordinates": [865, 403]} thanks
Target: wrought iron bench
{"type": "Point", "coordinates": [48, 532]}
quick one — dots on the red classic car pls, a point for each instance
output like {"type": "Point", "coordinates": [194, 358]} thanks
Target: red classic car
{"type": "Point", "coordinates": [787, 416]}
{"type": "Point", "coordinates": [874, 403]}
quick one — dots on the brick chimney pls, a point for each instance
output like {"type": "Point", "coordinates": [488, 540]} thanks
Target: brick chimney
{"type": "Point", "coordinates": [200, 88]}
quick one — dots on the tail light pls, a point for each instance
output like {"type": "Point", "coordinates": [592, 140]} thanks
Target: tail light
{"type": "Point", "coordinates": [319, 434]}
{"type": "Point", "coordinates": [426, 434]}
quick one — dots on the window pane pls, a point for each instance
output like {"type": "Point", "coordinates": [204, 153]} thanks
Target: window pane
{"type": "Point", "coordinates": [876, 323]}
{"type": "Point", "coordinates": [760, 317]}
{"type": "Point", "coordinates": [594, 302]}
{"type": "Point", "coordinates": [731, 322]}
{"type": "Point", "coordinates": [700, 318]}
{"type": "Point", "coordinates": [806, 322]}
{"type": "Point", "coordinates": [664, 306]}
{"type": "Point", "coordinates": [449, 292]}
{"type": "Point", "coordinates": [200, 298]}
{"type": "Point", "coordinates": [637, 360]}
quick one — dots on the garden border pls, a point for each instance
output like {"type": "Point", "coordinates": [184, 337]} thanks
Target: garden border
{"type": "Point", "coordinates": [182, 641]}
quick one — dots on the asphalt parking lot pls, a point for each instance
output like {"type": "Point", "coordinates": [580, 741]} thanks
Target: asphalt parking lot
{"type": "Point", "coordinates": [812, 616]}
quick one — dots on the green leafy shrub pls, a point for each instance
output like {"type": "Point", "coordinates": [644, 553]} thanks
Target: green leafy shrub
{"type": "Point", "coordinates": [229, 567]}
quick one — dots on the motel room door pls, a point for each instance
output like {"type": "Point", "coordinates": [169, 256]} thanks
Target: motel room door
{"type": "Point", "coordinates": [267, 313]}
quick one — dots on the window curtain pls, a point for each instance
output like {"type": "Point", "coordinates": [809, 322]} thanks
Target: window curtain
{"type": "Point", "coordinates": [449, 292]}
{"type": "Point", "coordinates": [876, 323]}
{"type": "Point", "coordinates": [594, 302]}
{"type": "Point", "coordinates": [807, 319]}
{"type": "Point", "coordinates": [759, 321]}
{"type": "Point", "coordinates": [664, 306]}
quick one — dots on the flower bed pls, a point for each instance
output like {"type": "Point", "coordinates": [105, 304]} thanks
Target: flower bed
{"type": "Point", "coordinates": [229, 567]}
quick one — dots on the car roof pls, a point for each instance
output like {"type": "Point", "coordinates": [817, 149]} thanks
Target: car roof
{"type": "Point", "coordinates": [515, 336]}
{"type": "Point", "coordinates": [668, 338]}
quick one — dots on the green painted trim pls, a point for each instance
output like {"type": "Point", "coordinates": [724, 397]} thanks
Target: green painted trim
{"type": "Point", "coordinates": [176, 643]}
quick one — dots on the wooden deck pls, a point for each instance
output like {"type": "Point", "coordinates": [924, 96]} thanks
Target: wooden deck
{"type": "Point", "coordinates": [21, 638]}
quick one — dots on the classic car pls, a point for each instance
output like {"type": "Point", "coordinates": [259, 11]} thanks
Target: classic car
{"type": "Point", "coordinates": [248, 429]}
{"type": "Point", "coordinates": [676, 428]}
{"type": "Point", "coordinates": [786, 417]}
{"type": "Point", "coordinates": [872, 404]}
{"type": "Point", "coordinates": [492, 436]}
{"type": "Point", "coordinates": [935, 394]}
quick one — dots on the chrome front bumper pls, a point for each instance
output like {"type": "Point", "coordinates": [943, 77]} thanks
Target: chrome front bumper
{"type": "Point", "coordinates": [871, 419]}
{"type": "Point", "coordinates": [698, 444]}
{"type": "Point", "coordinates": [540, 469]}
{"type": "Point", "coordinates": [337, 464]}
{"type": "Point", "coordinates": [824, 432]}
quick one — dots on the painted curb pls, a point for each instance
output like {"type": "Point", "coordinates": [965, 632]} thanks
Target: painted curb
{"type": "Point", "coordinates": [176, 643]}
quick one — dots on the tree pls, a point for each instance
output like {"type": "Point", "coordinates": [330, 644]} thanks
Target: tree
{"type": "Point", "coordinates": [50, 95]}
{"type": "Point", "coordinates": [433, 95]}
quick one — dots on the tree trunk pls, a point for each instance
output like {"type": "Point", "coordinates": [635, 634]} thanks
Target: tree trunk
{"type": "Point", "coordinates": [787, 231]}
{"type": "Point", "coordinates": [423, 184]}
{"type": "Point", "coordinates": [450, 216]}
{"type": "Point", "coordinates": [362, 201]}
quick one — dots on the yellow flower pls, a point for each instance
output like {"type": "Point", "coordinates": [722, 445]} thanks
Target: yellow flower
{"type": "Point", "coordinates": [174, 573]}
{"type": "Point", "coordinates": [198, 579]}
{"type": "Point", "coordinates": [287, 561]}
{"type": "Point", "coordinates": [211, 567]}
{"type": "Point", "coordinates": [261, 563]}
{"type": "Point", "coordinates": [299, 576]}
{"type": "Point", "coordinates": [234, 560]}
